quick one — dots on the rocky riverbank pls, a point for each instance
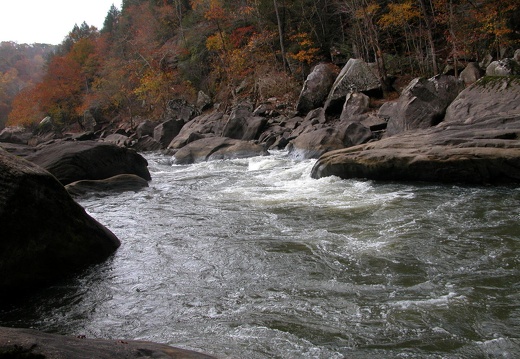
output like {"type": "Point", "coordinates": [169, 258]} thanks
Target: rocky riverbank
{"type": "Point", "coordinates": [442, 129]}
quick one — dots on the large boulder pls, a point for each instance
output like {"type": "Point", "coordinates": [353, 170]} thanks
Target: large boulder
{"type": "Point", "coordinates": [423, 103]}
{"type": "Point", "coordinates": [471, 73]}
{"type": "Point", "coordinates": [73, 161]}
{"type": "Point", "coordinates": [479, 143]}
{"type": "Point", "coordinates": [27, 343]}
{"type": "Point", "coordinates": [313, 144]}
{"type": "Point", "coordinates": [505, 67]}
{"type": "Point", "coordinates": [356, 76]}
{"type": "Point", "coordinates": [17, 135]}
{"type": "Point", "coordinates": [486, 98]}
{"type": "Point", "coordinates": [316, 87]}
{"type": "Point", "coordinates": [46, 235]}
{"type": "Point", "coordinates": [217, 148]}
{"type": "Point", "coordinates": [200, 127]}
{"type": "Point", "coordinates": [243, 125]}
{"type": "Point", "coordinates": [165, 132]}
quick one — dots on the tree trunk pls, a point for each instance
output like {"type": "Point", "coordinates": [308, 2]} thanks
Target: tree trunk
{"type": "Point", "coordinates": [429, 30]}
{"type": "Point", "coordinates": [280, 34]}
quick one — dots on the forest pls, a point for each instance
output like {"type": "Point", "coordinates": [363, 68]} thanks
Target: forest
{"type": "Point", "coordinates": [152, 51]}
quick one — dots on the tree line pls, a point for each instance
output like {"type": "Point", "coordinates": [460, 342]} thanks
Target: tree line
{"type": "Point", "coordinates": [151, 51]}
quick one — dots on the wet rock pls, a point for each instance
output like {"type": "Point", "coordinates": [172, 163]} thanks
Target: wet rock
{"type": "Point", "coordinates": [315, 143]}
{"type": "Point", "coordinates": [46, 235]}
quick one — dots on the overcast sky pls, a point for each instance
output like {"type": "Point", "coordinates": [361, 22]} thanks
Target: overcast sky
{"type": "Point", "coordinates": [49, 21]}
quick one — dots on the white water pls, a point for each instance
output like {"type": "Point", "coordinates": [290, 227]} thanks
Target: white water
{"type": "Point", "coordinates": [252, 258]}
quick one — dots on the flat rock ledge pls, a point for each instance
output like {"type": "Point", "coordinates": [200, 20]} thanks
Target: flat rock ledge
{"type": "Point", "coordinates": [484, 153]}
{"type": "Point", "coordinates": [31, 344]}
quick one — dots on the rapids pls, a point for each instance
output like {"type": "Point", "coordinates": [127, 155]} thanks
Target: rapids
{"type": "Point", "coordinates": [252, 258]}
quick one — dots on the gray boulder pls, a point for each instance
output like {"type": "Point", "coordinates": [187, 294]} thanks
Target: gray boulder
{"type": "Point", "coordinates": [145, 128]}
{"type": "Point", "coordinates": [17, 135]}
{"type": "Point", "coordinates": [243, 125]}
{"type": "Point", "coordinates": [118, 140]}
{"type": "Point", "coordinates": [314, 143]}
{"type": "Point", "coordinates": [74, 161]}
{"type": "Point", "coordinates": [486, 98]}
{"type": "Point", "coordinates": [471, 73]}
{"type": "Point", "coordinates": [203, 101]}
{"type": "Point", "coordinates": [146, 144]}
{"type": "Point", "coordinates": [422, 104]}
{"type": "Point", "coordinates": [165, 132]}
{"type": "Point", "coordinates": [46, 235]}
{"type": "Point", "coordinates": [316, 87]}
{"type": "Point", "coordinates": [356, 76]}
{"type": "Point", "coordinates": [355, 104]}
{"type": "Point", "coordinates": [505, 67]}
{"type": "Point", "coordinates": [27, 343]}
{"type": "Point", "coordinates": [200, 127]}
{"type": "Point", "coordinates": [217, 148]}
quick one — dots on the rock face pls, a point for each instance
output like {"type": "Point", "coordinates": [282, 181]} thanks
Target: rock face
{"type": "Point", "coordinates": [119, 183]}
{"type": "Point", "coordinates": [423, 104]}
{"type": "Point", "coordinates": [74, 161]}
{"type": "Point", "coordinates": [316, 87]}
{"type": "Point", "coordinates": [217, 148]}
{"type": "Point", "coordinates": [46, 235]}
{"type": "Point", "coordinates": [478, 143]}
{"type": "Point", "coordinates": [28, 343]}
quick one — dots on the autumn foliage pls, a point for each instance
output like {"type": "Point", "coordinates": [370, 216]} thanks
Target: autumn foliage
{"type": "Point", "coordinates": [151, 51]}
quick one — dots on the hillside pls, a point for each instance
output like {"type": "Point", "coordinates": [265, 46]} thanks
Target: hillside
{"type": "Point", "coordinates": [149, 52]}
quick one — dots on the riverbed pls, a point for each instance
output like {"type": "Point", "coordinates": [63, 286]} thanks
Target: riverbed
{"type": "Point", "coordinates": [251, 258]}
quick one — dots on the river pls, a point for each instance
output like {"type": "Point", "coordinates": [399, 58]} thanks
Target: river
{"type": "Point", "coordinates": [252, 258]}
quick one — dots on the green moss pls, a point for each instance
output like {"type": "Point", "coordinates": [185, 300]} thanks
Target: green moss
{"type": "Point", "coordinates": [490, 82]}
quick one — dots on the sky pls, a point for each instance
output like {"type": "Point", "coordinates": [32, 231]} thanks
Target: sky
{"type": "Point", "coordinates": [49, 21]}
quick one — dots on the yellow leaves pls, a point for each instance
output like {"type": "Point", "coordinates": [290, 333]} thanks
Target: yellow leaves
{"type": "Point", "coordinates": [216, 42]}
{"type": "Point", "coordinates": [399, 14]}
{"type": "Point", "coordinates": [367, 11]}
{"type": "Point", "coordinates": [305, 52]}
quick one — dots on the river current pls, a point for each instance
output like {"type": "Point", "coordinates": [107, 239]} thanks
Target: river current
{"type": "Point", "coordinates": [252, 258]}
